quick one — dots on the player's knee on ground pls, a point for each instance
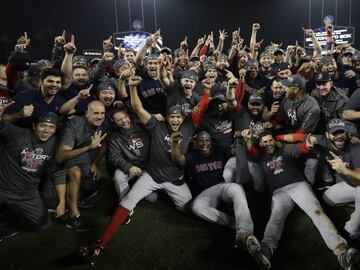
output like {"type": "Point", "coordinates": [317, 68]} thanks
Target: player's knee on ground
{"type": "Point", "coordinates": [152, 197]}
{"type": "Point", "coordinates": [39, 222]}
{"type": "Point", "coordinates": [184, 204]}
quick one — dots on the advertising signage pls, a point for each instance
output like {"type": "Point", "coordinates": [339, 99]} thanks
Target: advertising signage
{"type": "Point", "coordinates": [341, 34]}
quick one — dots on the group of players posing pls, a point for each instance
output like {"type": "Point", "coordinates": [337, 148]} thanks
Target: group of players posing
{"type": "Point", "coordinates": [155, 116]}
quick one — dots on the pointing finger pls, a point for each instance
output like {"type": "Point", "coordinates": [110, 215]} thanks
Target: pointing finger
{"type": "Point", "coordinates": [333, 155]}
{"type": "Point", "coordinates": [63, 35]}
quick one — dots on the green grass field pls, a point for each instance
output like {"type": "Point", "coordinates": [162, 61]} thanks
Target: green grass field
{"type": "Point", "coordinates": [159, 237]}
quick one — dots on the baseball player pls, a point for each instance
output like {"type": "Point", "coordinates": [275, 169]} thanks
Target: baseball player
{"type": "Point", "coordinates": [344, 160]}
{"type": "Point", "coordinates": [128, 151]}
{"type": "Point", "coordinates": [161, 173]}
{"type": "Point", "coordinates": [206, 166]}
{"type": "Point", "coordinates": [81, 147]}
{"type": "Point", "coordinates": [288, 187]}
{"type": "Point", "coordinates": [26, 154]}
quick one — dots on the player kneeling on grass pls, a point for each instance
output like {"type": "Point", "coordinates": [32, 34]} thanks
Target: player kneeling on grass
{"type": "Point", "coordinates": [289, 188]}
{"type": "Point", "coordinates": [206, 165]}
{"type": "Point", "coordinates": [161, 173]}
{"type": "Point", "coordinates": [24, 157]}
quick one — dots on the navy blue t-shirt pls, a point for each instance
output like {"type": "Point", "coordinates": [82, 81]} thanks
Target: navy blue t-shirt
{"type": "Point", "coordinates": [36, 99]}
{"type": "Point", "coordinates": [207, 171]}
{"type": "Point", "coordinates": [151, 94]}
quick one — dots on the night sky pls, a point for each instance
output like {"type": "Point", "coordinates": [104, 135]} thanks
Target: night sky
{"type": "Point", "coordinates": [94, 20]}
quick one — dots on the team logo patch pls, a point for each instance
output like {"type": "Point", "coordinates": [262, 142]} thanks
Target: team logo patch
{"type": "Point", "coordinates": [276, 165]}
{"type": "Point", "coordinates": [32, 160]}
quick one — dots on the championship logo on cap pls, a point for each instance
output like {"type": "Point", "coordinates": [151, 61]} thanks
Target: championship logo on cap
{"type": "Point", "coordinates": [336, 125]}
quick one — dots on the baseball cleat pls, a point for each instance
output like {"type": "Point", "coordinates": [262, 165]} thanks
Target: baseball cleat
{"type": "Point", "coordinates": [128, 220]}
{"type": "Point", "coordinates": [349, 259]}
{"type": "Point", "coordinates": [77, 224]}
{"type": "Point", "coordinates": [93, 252]}
{"type": "Point", "coordinates": [254, 248]}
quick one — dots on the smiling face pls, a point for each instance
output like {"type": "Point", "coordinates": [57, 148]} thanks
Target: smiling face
{"type": "Point", "coordinates": [284, 74]}
{"type": "Point", "coordinates": [95, 113]}
{"type": "Point", "coordinates": [253, 71]}
{"type": "Point", "coordinates": [175, 120]}
{"type": "Point", "coordinates": [80, 77]}
{"type": "Point", "coordinates": [51, 85]}
{"type": "Point", "coordinates": [187, 86]}
{"type": "Point", "coordinates": [107, 97]}
{"type": "Point", "coordinates": [346, 59]}
{"type": "Point", "coordinates": [265, 62]}
{"type": "Point", "coordinates": [211, 74]}
{"type": "Point", "coordinates": [44, 130]}
{"type": "Point", "coordinates": [338, 139]}
{"type": "Point", "coordinates": [222, 63]}
{"type": "Point", "coordinates": [256, 108]}
{"type": "Point", "coordinates": [203, 145]}
{"type": "Point", "coordinates": [277, 89]}
{"type": "Point", "coordinates": [324, 88]}
{"type": "Point", "coordinates": [129, 56]}
{"type": "Point", "coordinates": [267, 143]}
{"type": "Point", "coordinates": [330, 68]}
{"type": "Point", "coordinates": [152, 68]}
{"type": "Point", "coordinates": [122, 120]}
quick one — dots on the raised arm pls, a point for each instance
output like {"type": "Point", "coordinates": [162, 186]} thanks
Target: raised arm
{"type": "Point", "coordinates": [255, 29]}
{"type": "Point", "coordinates": [144, 115]}
{"type": "Point", "coordinates": [141, 53]}
{"type": "Point", "coordinates": [230, 91]}
{"type": "Point", "coordinates": [66, 67]}
{"type": "Point", "coordinates": [164, 79]}
{"type": "Point", "coordinates": [310, 33]}
{"type": "Point", "coordinates": [198, 46]}
{"type": "Point", "coordinates": [222, 36]}
{"type": "Point", "coordinates": [176, 154]}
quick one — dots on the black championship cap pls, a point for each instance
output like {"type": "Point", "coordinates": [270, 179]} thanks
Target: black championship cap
{"type": "Point", "coordinates": [255, 98]}
{"type": "Point", "coordinates": [279, 51]}
{"type": "Point", "coordinates": [48, 117]}
{"type": "Point", "coordinates": [176, 109]}
{"type": "Point", "coordinates": [106, 85]}
{"type": "Point", "coordinates": [252, 63]}
{"type": "Point", "coordinates": [79, 58]}
{"type": "Point", "coordinates": [119, 63]}
{"type": "Point", "coordinates": [219, 98]}
{"type": "Point", "coordinates": [283, 66]}
{"type": "Point", "coordinates": [189, 74]}
{"type": "Point", "coordinates": [335, 124]}
{"type": "Point", "coordinates": [294, 80]}
{"type": "Point", "coordinates": [322, 77]}
{"type": "Point", "coordinates": [203, 135]}
{"type": "Point", "coordinates": [166, 50]}
{"type": "Point", "coordinates": [327, 59]}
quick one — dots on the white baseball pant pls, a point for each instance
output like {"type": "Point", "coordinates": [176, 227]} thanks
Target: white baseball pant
{"type": "Point", "coordinates": [145, 185]}
{"type": "Point", "coordinates": [206, 203]}
{"type": "Point", "coordinates": [122, 187]}
{"type": "Point", "coordinates": [343, 193]}
{"type": "Point", "coordinates": [254, 170]}
{"type": "Point", "coordinates": [284, 200]}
